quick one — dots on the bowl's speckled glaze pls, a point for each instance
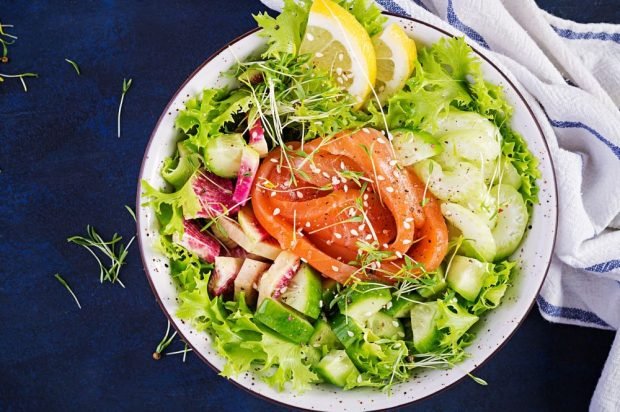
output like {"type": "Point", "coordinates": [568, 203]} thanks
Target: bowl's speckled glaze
{"type": "Point", "coordinates": [494, 328]}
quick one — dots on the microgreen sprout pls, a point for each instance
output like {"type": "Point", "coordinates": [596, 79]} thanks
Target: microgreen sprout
{"type": "Point", "coordinates": [75, 66]}
{"type": "Point", "coordinates": [66, 285]}
{"type": "Point", "coordinates": [164, 343]}
{"type": "Point", "coordinates": [20, 76]}
{"type": "Point", "coordinates": [126, 86]}
{"type": "Point", "coordinates": [113, 250]}
{"type": "Point", "coordinates": [131, 212]}
{"type": "Point", "coordinates": [183, 351]}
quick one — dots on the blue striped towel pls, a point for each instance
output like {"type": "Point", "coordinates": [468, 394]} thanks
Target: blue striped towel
{"type": "Point", "coordinates": [572, 70]}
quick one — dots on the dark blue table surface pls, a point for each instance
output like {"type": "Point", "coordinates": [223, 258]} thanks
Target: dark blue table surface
{"type": "Point", "coordinates": [62, 167]}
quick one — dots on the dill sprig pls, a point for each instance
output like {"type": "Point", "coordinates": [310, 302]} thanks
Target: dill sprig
{"type": "Point", "coordinates": [113, 250]}
{"type": "Point", "coordinates": [164, 343]}
{"type": "Point", "coordinates": [75, 66]}
{"type": "Point", "coordinates": [126, 86]}
{"type": "Point", "coordinates": [66, 285]}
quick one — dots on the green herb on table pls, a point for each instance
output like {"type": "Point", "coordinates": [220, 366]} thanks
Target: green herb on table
{"type": "Point", "coordinates": [66, 285]}
{"type": "Point", "coordinates": [164, 343]}
{"type": "Point", "coordinates": [126, 86]}
{"type": "Point", "coordinates": [20, 76]}
{"type": "Point", "coordinates": [75, 66]}
{"type": "Point", "coordinates": [6, 40]}
{"type": "Point", "coordinates": [131, 212]}
{"type": "Point", "coordinates": [184, 352]}
{"type": "Point", "coordinates": [113, 250]}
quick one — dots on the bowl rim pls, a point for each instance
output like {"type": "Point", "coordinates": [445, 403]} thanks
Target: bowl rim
{"type": "Point", "coordinates": [276, 401]}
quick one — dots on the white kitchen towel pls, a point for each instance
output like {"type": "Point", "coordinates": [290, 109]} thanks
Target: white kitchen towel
{"type": "Point", "coordinates": [573, 71]}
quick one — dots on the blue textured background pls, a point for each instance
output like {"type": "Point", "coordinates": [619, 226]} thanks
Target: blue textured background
{"type": "Point", "coordinates": [63, 167]}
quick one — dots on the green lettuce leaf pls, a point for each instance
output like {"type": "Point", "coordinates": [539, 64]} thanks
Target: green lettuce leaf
{"type": "Point", "coordinates": [454, 321]}
{"type": "Point", "coordinates": [242, 343]}
{"type": "Point", "coordinates": [284, 32]}
{"type": "Point", "coordinates": [493, 288]}
{"type": "Point", "coordinates": [170, 208]}
{"type": "Point", "coordinates": [185, 267]}
{"type": "Point", "coordinates": [367, 13]}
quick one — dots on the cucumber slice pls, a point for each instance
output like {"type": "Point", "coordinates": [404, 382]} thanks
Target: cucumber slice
{"type": "Point", "coordinates": [337, 368]}
{"type": "Point", "coordinates": [177, 171]}
{"type": "Point", "coordinates": [512, 220]}
{"type": "Point", "coordinates": [385, 326]}
{"type": "Point", "coordinates": [509, 175]}
{"type": "Point", "coordinates": [400, 307]}
{"type": "Point", "coordinates": [423, 325]}
{"type": "Point", "coordinates": [479, 242]}
{"type": "Point", "coordinates": [324, 336]}
{"type": "Point", "coordinates": [304, 292]}
{"type": "Point", "coordinates": [458, 121]}
{"type": "Point", "coordinates": [347, 330]}
{"type": "Point", "coordinates": [283, 320]}
{"type": "Point", "coordinates": [466, 276]}
{"type": "Point", "coordinates": [413, 146]}
{"type": "Point", "coordinates": [330, 288]}
{"type": "Point", "coordinates": [472, 145]}
{"type": "Point", "coordinates": [223, 154]}
{"type": "Point", "coordinates": [364, 301]}
{"type": "Point", "coordinates": [460, 185]}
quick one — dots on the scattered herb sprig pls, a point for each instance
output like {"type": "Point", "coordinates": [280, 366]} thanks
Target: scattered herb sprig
{"type": "Point", "coordinates": [75, 66]}
{"type": "Point", "coordinates": [131, 212]}
{"type": "Point", "coordinates": [66, 285]}
{"type": "Point", "coordinates": [164, 343]}
{"type": "Point", "coordinates": [126, 86]}
{"type": "Point", "coordinates": [113, 250]}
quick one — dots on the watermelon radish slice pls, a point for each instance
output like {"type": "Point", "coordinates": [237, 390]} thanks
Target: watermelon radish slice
{"type": "Point", "coordinates": [250, 224]}
{"type": "Point", "coordinates": [214, 193]}
{"type": "Point", "coordinates": [223, 278]}
{"type": "Point", "coordinates": [245, 177]}
{"type": "Point", "coordinates": [268, 248]}
{"type": "Point", "coordinates": [197, 242]}
{"type": "Point", "coordinates": [257, 138]}
{"type": "Point", "coordinates": [276, 279]}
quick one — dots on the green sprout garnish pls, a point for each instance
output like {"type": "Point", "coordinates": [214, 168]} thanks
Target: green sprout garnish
{"type": "Point", "coordinates": [66, 285]}
{"type": "Point", "coordinates": [126, 86]}
{"type": "Point", "coordinates": [75, 66]}
{"type": "Point", "coordinates": [113, 250]}
{"type": "Point", "coordinates": [131, 212]}
{"type": "Point", "coordinates": [164, 343]}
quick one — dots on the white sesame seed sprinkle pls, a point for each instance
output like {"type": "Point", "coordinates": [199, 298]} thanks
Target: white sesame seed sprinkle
{"type": "Point", "coordinates": [307, 224]}
{"type": "Point", "coordinates": [337, 235]}
{"type": "Point", "coordinates": [381, 140]}
{"type": "Point", "coordinates": [365, 196]}
{"type": "Point", "coordinates": [354, 232]}
{"type": "Point", "coordinates": [409, 220]}
{"type": "Point", "coordinates": [299, 195]}
{"type": "Point", "coordinates": [273, 160]}
{"type": "Point", "coordinates": [380, 178]}
{"type": "Point", "coordinates": [389, 189]}
{"type": "Point", "coordinates": [406, 241]}
{"type": "Point", "coordinates": [309, 36]}
{"type": "Point", "coordinates": [393, 162]}
{"type": "Point", "coordinates": [395, 323]}
{"type": "Point", "coordinates": [398, 254]}
{"type": "Point", "coordinates": [339, 71]}
{"type": "Point", "coordinates": [276, 211]}
{"type": "Point", "coordinates": [385, 246]}
{"type": "Point", "coordinates": [368, 237]}
{"type": "Point", "coordinates": [335, 268]}
{"type": "Point", "coordinates": [326, 175]}
{"type": "Point", "coordinates": [273, 194]}
{"type": "Point", "coordinates": [406, 225]}
{"type": "Point", "coordinates": [345, 188]}
{"type": "Point", "coordinates": [365, 130]}
{"type": "Point", "coordinates": [342, 166]}
{"type": "Point", "coordinates": [340, 56]}
{"type": "Point", "coordinates": [351, 335]}
{"type": "Point", "coordinates": [335, 180]}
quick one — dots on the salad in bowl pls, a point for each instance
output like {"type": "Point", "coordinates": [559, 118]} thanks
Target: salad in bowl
{"type": "Point", "coordinates": [347, 207]}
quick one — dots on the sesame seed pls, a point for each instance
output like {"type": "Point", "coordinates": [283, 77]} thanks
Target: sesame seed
{"type": "Point", "coordinates": [395, 323]}
{"type": "Point", "coordinates": [318, 54]}
{"type": "Point", "coordinates": [329, 242]}
{"type": "Point", "coordinates": [389, 189]}
{"type": "Point", "coordinates": [326, 175]}
{"type": "Point", "coordinates": [339, 71]}
{"type": "Point", "coordinates": [335, 180]}
{"type": "Point", "coordinates": [340, 79]}
{"type": "Point", "coordinates": [389, 305]}
{"type": "Point", "coordinates": [320, 303]}
{"type": "Point", "coordinates": [335, 268]}
{"type": "Point", "coordinates": [273, 160]}
{"type": "Point", "coordinates": [273, 194]}
{"type": "Point", "coordinates": [337, 235]}
{"type": "Point", "coordinates": [345, 188]}
{"type": "Point", "coordinates": [340, 56]}
{"type": "Point", "coordinates": [351, 212]}
{"type": "Point", "coordinates": [342, 165]}
{"type": "Point", "coordinates": [406, 225]}
{"type": "Point", "coordinates": [307, 224]}
{"type": "Point", "coordinates": [385, 246]}
{"type": "Point", "coordinates": [409, 220]}
{"type": "Point", "coordinates": [351, 335]}
{"type": "Point", "coordinates": [365, 196]}
{"type": "Point", "coordinates": [299, 195]}
{"type": "Point", "coordinates": [380, 178]}
{"type": "Point", "coordinates": [309, 36]}
{"type": "Point", "coordinates": [406, 241]}
{"type": "Point", "coordinates": [381, 140]}
{"type": "Point", "coordinates": [276, 211]}
{"type": "Point", "coordinates": [365, 204]}
{"type": "Point", "coordinates": [393, 162]}
{"type": "Point", "coordinates": [398, 254]}
{"type": "Point", "coordinates": [361, 227]}
{"type": "Point", "coordinates": [303, 260]}
{"type": "Point", "coordinates": [342, 180]}
{"type": "Point", "coordinates": [354, 232]}
{"type": "Point", "coordinates": [365, 130]}
{"type": "Point", "coordinates": [368, 237]}
{"type": "Point", "coordinates": [368, 314]}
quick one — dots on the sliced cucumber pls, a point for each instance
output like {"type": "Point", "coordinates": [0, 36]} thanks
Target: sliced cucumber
{"type": "Point", "coordinates": [423, 325]}
{"type": "Point", "coordinates": [330, 288]}
{"type": "Point", "coordinates": [459, 185]}
{"type": "Point", "coordinates": [413, 146]}
{"type": "Point", "coordinates": [458, 121]}
{"type": "Point", "coordinates": [283, 320]}
{"type": "Point", "coordinates": [466, 276]}
{"type": "Point", "coordinates": [400, 307]}
{"type": "Point", "coordinates": [304, 292]}
{"type": "Point", "coordinates": [347, 330]}
{"type": "Point", "coordinates": [512, 220]}
{"type": "Point", "coordinates": [178, 171]}
{"type": "Point", "coordinates": [337, 368]}
{"type": "Point", "coordinates": [472, 145]}
{"type": "Point", "coordinates": [385, 326]}
{"type": "Point", "coordinates": [364, 301]}
{"type": "Point", "coordinates": [324, 336]}
{"type": "Point", "coordinates": [508, 175]}
{"type": "Point", "coordinates": [479, 242]}
{"type": "Point", "coordinates": [223, 154]}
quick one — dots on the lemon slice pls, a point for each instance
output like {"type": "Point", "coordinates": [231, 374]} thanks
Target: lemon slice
{"type": "Point", "coordinates": [396, 56]}
{"type": "Point", "coordinates": [339, 44]}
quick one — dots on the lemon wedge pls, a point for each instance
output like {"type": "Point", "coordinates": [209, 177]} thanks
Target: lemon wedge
{"type": "Point", "coordinates": [396, 55]}
{"type": "Point", "coordinates": [339, 44]}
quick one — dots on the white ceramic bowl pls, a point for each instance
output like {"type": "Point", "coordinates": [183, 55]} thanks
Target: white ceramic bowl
{"type": "Point", "coordinates": [492, 331]}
